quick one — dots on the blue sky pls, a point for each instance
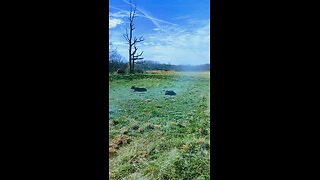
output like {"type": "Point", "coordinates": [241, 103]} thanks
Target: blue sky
{"type": "Point", "coordinates": [175, 31]}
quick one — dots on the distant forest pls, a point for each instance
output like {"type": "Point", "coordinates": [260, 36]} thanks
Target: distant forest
{"type": "Point", "coordinates": [153, 65]}
{"type": "Point", "coordinates": [116, 61]}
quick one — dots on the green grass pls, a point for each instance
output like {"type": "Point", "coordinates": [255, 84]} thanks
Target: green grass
{"type": "Point", "coordinates": [154, 136]}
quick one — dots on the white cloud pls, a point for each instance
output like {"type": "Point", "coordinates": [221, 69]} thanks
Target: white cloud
{"type": "Point", "coordinates": [113, 22]}
{"type": "Point", "coordinates": [119, 14]}
{"type": "Point", "coordinates": [179, 45]}
{"type": "Point", "coordinates": [119, 43]}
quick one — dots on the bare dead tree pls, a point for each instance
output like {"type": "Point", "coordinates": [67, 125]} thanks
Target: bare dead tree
{"type": "Point", "coordinates": [132, 41]}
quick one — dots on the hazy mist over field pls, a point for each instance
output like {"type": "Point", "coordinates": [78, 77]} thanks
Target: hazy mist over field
{"type": "Point", "coordinates": [176, 32]}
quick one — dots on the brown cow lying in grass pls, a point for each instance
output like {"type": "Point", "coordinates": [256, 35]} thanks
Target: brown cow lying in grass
{"type": "Point", "coordinates": [119, 71]}
{"type": "Point", "coordinates": [138, 89]}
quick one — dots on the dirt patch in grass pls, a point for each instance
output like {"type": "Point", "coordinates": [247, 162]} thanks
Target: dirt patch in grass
{"type": "Point", "coordinates": [118, 142]}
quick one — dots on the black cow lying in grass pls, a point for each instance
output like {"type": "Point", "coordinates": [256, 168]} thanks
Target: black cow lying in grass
{"type": "Point", "coordinates": [171, 93]}
{"type": "Point", "coordinates": [138, 89]}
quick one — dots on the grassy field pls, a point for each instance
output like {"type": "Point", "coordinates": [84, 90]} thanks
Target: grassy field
{"type": "Point", "coordinates": [155, 136]}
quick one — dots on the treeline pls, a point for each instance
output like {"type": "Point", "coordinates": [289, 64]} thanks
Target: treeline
{"type": "Point", "coordinates": [116, 61]}
{"type": "Point", "coordinates": [154, 65]}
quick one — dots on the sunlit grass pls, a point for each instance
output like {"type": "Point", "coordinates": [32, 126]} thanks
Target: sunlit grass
{"type": "Point", "coordinates": [153, 136]}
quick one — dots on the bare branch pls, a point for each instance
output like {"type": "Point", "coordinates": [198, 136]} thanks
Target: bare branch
{"type": "Point", "coordinates": [126, 36]}
{"type": "Point", "coordinates": [141, 39]}
{"type": "Point", "coordinates": [140, 54]}
{"type": "Point", "coordinates": [137, 59]}
{"type": "Point", "coordinates": [135, 10]}
{"type": "Point", "coordinates": [135, 40]}
{"type": "Point", "coordinates": [135, 50]}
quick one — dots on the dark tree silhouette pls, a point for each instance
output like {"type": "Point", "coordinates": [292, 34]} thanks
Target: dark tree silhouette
{"type": "Point", "coordinates": [116, 61]}
{"type": "Point", "coordinates": [132, 41]}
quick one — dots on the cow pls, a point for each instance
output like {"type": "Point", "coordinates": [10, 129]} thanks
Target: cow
{"type": "Point", "coordinates": [171, 93]}
{"type": "Point", "coordinates": [119, 71]}
{"type": "Point", "coordinates": [138, 89]}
